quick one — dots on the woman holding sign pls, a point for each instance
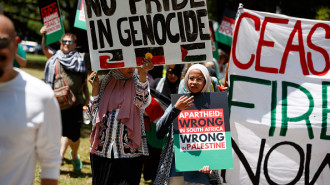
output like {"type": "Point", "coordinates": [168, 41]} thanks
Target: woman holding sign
{"type": "Point", "coordinates": [118, 140]}
{"type": "Point", "coordinates": [197, 80]}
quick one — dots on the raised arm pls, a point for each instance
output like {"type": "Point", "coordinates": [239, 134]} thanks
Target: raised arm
{"type": "Point", "coordinates": [47, 52]}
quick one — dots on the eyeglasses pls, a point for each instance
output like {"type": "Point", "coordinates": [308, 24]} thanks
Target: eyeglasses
{"type": "Point", "coordinates": [198, 79]}
{"type": "Point", "coordinates": [67, 41]}
{"type": "Point", "coordinates": [4, 42]}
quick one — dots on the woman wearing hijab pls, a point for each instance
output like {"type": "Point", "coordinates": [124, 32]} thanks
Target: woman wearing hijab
{"type": "Point", "coordinates": [197, 80]}
{"type": "Point", "coordinates": [169, 84]}
{"type": "Point", "coordinates": [118, 140]}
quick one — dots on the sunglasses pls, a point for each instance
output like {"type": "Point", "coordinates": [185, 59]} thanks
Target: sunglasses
{"type": "Point", "coordinates": [67, 41]}
{"type": "Point", "coordinates": [4, 42]}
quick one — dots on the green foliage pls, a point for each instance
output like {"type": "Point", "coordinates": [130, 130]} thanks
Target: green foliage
{"type": "Point", "coordinates": [323, 13]}
{"type": "Point", "coordinates": [26, 16]}
{"type": "Point", "coordinates": [27, 19]}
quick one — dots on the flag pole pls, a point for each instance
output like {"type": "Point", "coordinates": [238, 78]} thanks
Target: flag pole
{"type": "Point", "coordinates": [240, 6]}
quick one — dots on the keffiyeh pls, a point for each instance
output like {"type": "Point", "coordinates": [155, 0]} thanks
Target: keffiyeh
{"type": "Point", "coordinates": [72, 61]}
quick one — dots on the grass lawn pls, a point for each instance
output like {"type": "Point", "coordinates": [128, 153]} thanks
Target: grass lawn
{"type": "Point", "coordinates": [67, 175]}
{"type": "Point", "coordinates": [36, 58]}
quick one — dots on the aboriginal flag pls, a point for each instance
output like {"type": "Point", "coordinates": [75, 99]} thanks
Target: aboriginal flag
{"type": "Point", "coordinates": [111, 59]}
{"type": "Point", "coordinates": [193, 52]}
{"type": "Point", "coordinates": [157, 55]}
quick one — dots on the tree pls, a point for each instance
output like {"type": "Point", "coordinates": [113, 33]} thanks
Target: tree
{"type": "Point", "coordinates": [296, 8]}
{"type": "Point", "coordinates": [26, 14]}
{"type": "Point", "coordinates": [26, 17]}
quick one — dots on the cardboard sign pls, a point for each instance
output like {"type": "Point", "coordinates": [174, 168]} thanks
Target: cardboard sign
{"type": "Point", "coordinates": [202, 134]}
{"type": "Point", "coordinates": [50, 15]}
{"type": "Point", "coordinates": [122, 33]}
{"type": "Point", "coordinates": [279, 101]}
{"type": "Point", "coordinates": [80, 20]}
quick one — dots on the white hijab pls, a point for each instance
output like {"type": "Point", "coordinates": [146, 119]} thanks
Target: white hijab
{"type": "Point", "coordinates": [206, 74]}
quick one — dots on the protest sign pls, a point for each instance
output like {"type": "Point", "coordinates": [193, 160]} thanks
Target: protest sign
{"type": "Point", "coordinates": [278, 100]}
{"type": "Point", "coordinates": [224, 33]}
{"type": "Point", "coordinates": [121, 33]}
{"type": "Point", "coordinates": [50, 15]}
{"type": "Point", "coordinates": [202, 133]}
{"type": "Point", "coordinates": [80, 21]}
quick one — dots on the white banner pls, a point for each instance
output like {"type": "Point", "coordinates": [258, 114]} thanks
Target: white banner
{"type": "Point", "coordinates": [279, 102]}
{"type": "Point", "coordinates": [122, 33]}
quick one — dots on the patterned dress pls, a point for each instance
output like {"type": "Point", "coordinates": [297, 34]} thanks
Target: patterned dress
{"type": "Point", "coordinates": [109, 138]}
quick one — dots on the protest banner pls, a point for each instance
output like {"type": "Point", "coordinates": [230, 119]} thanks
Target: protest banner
{"type": "Point", "coordinates": [121, 33]}
{"type": "Point", "coordinates": [202, 133]}
{"type": "Point", "coordinates": [278, 100]}
{"type": "Point", "coordinates": [50, 16]}
{"type": "Point", "coordinates": [80, 20]}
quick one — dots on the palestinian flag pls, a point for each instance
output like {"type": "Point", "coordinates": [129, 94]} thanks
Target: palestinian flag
{"type": "Point", "coordinates": [155, 110]}
{"type": "Point", "coordinates": [224, 33]}
{"type": "Point", "coordinates": [111, 59]}
{"type": "Point", "coordinates": [80, 21]}
{"type": "Point", "coordinates": [214, 43]}
{"type": "Point", "coordinates": [193, 52]}
{"type": "Point", "coordinates": [155, 53]}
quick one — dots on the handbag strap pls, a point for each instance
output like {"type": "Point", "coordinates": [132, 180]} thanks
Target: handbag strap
{"type": "Point", "coordinates": [58, 72]}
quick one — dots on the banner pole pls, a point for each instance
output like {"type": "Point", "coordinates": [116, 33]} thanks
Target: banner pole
{"type": "Point", "coordinates": [240, 6]}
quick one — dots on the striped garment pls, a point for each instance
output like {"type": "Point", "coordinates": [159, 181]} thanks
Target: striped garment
{"type": "Point", "coordinates": [110, 138]}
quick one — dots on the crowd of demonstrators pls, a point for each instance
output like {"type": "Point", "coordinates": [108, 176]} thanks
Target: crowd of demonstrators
{"type": "Point", "coordinates": [124, 133]}
{"type": "Point", "coordinates": [118, 139]}
{"type": "Point", "coordinates": [196, 80]}
{"type": "Point", "coordinates": [29, 119]}
{"type": "Point", "coordinates": [73, 71]}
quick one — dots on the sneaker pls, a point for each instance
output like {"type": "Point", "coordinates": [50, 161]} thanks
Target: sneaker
{"type": "Point", "coordinates": [77, 164]}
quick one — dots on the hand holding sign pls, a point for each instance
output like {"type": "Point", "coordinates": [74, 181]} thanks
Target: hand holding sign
{"type": "Point", "coordinates": [206, 169]}
{"type": "Point", "coordinates": [146, 66]}
{"type": "Point", "coordinates": [93, 79]}
{"type": "Point", "coordinates": [43, 30]}
{"type": "Point", "coordinates": [222, 88]}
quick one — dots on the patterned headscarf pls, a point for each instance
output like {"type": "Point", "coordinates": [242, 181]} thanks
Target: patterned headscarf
{"type": "Point", "coordinates": [119, 92]}
{"type": "Point", "coordinates": [72, 61]}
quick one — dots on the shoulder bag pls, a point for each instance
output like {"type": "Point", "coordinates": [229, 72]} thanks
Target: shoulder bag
{"type": "Point", "coordinates": [63, 93]}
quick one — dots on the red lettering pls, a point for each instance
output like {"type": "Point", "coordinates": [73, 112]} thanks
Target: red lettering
{"type": "Point", "coordinates": [263, 42]}
{"type": "Point", "coordinates": [257, 27]}
{"type": "Point", "coordinates": [48, 10]}
{"type": "Point", "coordinates": [319, 49]}
{"type": "Point", "coordinates": [300, 48]}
